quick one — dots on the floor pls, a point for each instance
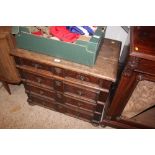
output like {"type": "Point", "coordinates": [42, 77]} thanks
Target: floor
{"type": "Point", "coordinates": [16, 113]}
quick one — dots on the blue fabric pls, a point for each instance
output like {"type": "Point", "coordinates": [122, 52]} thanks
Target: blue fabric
{"type": "Point", "coordinates": [75, 29]}
{"type": "Point", "coordinates": [90, 31]}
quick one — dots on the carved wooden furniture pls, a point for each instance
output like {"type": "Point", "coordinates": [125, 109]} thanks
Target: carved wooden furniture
{"type": "Point", "coordinates": [140, 67]}
{"type": "Point", "coordinates": [67, 87]}
{"type": "Point", "coordinates": [8, 72]}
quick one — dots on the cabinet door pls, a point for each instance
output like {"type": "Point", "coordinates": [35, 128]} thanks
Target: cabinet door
{"type": "Point", "coordinates": [7, 65]}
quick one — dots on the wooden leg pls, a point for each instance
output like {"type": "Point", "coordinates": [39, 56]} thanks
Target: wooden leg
{"type": "Point", "coordinates": [6, 86]}
{"type": "Point", "coordinates": [123, 92]}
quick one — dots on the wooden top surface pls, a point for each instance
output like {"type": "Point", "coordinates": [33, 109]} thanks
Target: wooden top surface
{"type": "Point", "coordinates": [106, 64]}
{"type": "Point", "coordinates": [143, 42]}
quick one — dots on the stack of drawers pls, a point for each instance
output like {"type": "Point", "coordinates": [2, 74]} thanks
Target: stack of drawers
{"type": "Point", "coordinates": [67, 87]}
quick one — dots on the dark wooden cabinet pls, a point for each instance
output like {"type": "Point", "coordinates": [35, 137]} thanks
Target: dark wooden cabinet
{"type": "Point", "coordinates": [139, 69]}
{"type": "Point", "coordinates": [68, 87]}
{"type": "Point", "coordinates": [8, 72]}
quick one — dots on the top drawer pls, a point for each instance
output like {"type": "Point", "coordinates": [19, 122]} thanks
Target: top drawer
{"type": "Point", "coordinates": [34, 64]}
{"type": "Point", "coordinates": [80, 77]}
{"type": "Point", "coordinates": [87, 78]}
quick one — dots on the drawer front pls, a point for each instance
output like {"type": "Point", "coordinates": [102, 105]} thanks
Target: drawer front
{"type": "Point", "coordinates": [37, 79]}
{"type": "Point", "coordinates": [75, 112]}
{"type": "Point", "coordinates": [66, 109]}
{"type": "Point", "coordinates": [34, 64]}
{"type": "Point", "coordinates": [81, 92]}
{"type": "Point", "coordinates": [81, 77]}
{"type": "Point", "coordinates": [87, 78]}
{"type": "Point", "coordinates": [80, 104]}
{"type": "Point", "coordinates": [41, 101]}
{"type": "Point", "coordinates": [42, 92]}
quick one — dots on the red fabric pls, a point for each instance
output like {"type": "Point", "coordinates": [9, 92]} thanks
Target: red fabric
{"type": "Point", "coordinates": [37, 33]}
{"type": "Point", "coordinates": [63, 34]}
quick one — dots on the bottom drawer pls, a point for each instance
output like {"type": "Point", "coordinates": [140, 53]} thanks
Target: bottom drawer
{"type": "Point", "coordinates": [69, 110]}
{"type": "Point", "coordinates": [76, 112]}
{"type": "Point", "coordinates": [41, 101]}
{"type": "Point", "coordinates": [81, 104]}
{"type": "Point", "coordinates": [33, 89]}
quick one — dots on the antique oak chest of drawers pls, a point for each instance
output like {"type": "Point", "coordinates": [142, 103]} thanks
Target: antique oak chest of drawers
{"type": "Point", "coordinates": [70, 88]}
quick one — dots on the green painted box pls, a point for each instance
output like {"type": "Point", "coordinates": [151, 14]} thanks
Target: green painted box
{"type": "Point", "coordinates": [82, 51]}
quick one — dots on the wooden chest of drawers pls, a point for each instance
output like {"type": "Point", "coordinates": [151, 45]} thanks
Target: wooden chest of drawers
{"type": "Point", "coordinates": [67, 87]}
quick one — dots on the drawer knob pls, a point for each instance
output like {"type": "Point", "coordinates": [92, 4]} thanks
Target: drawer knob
{"type": "Point", "coordinates": [58, 83]}
{"type": "Point", "coordinates": [41, 92]}
{"type": "Point", "coordinates": [39, 80]}
{"type": "Point", "coordinates": [58, 70]}
{"type": "Point", "coordinates": [79, 104]}
{"type": "Point", "coordinates": [36, 65]}
{"type": "Point", "coordinates": [81, 77]}
{"type": "Point", "coordinates": [80, 92]}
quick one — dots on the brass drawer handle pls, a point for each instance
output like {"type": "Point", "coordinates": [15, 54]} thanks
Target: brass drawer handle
{"type": "Point", "coordinates": [41, 92]}
{"type": "Point", "coordinates": [39, 80]}
{"type": "Point", "coordinates": [58, 70]}
{"type": "Point", "coordinates": [36, 65]}
{"type": "Point", "coordinates": [81, 77]}
{"type": "Point", "coordinates": [79, 104]}
{"type": "Point", "coordinates": [80, 93]}
{"type": "Point", "coordinates": [58, 83]}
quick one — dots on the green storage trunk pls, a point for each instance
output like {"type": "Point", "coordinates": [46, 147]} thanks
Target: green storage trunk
{"type": "Point", "coordinates": [83, 52]}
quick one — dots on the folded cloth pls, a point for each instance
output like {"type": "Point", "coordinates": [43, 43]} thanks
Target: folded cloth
{"type": "Point", "coordinates": [63, 33]}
